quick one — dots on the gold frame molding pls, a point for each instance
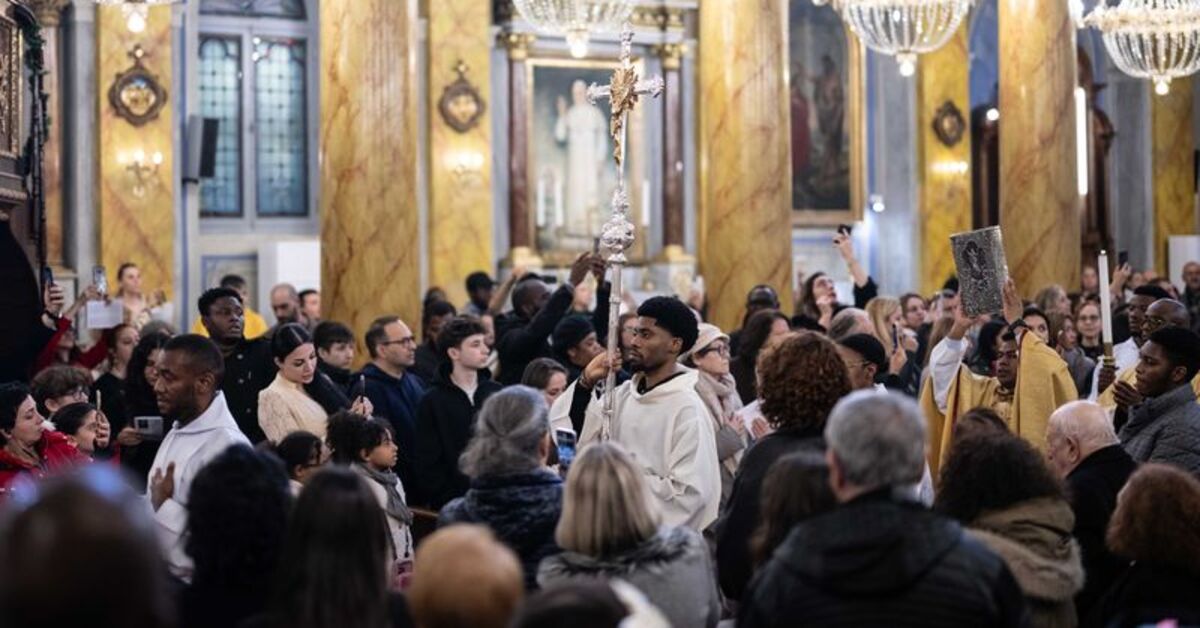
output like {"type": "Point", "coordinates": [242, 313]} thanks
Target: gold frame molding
{"type": "Point", "coordinates": [12, 92]}
{"type": "Point", "coordinates": [635, 174]}
{"type": "Point", "coordinates": [856, 124]}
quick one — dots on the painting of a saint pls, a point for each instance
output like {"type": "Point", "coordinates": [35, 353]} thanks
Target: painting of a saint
{"type": "Point", "coordinates": [582, 131]}
{"type": "Point", "coordinates": [826, 130]}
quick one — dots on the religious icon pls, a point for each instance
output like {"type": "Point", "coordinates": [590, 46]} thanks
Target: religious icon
{"type": "Point", "coordinates": [461, 105]}
{"type": "Point", "coordinates": [826, 116]}
{"type": "Point", "coordinates": [948, 124]}
{"type": "Point", "coordinates": [572, 171]}
{"type": "Point", "coordinates": [982, 270]}
{"type": "Point", "coordinates": [136, 95]}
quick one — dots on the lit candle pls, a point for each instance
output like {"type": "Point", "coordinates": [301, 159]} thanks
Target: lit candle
{"type": "Point", "coordinates": [646, 203]}
{"type": "Point", "coordinates": [541, 203]}
{"type": "Point", "coordinates": [1106, 336]}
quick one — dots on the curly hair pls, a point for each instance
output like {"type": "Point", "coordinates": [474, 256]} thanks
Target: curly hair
{"type": "Point", "coordinates": [343, 436]}
{"type": "Point", "coordinates": [992, 470]}
{"type": "Point", "coordinates": [237, 515]}
{"type": "Point", "coordinates": [1155, 520]}
{"type": "Point", "coordinates": [802, 379]}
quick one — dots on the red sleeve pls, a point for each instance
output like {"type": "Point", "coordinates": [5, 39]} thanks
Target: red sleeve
{"type": "Point", "coordinates": [95, 355]}
{"type": "Point", "coordinates": [46, 357]}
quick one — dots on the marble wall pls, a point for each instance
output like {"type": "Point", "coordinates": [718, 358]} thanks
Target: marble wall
{"type": "Point", "coordinates": [745, 164]}
{"type": "Point", "coordinates": [460, 170]}
{"type": "Point", "coordinates": [370, 223]}
{"type": "Point", "coordinates": [1174, 168]}
{"type": "Point", "coordinates": [945, 173]}
{"type": "Point", "coordinates": [894, 174]}
{"type": "Point", "coordinates": [133, 228]}
{"type": "Point", "coordinates": [1039, 197]}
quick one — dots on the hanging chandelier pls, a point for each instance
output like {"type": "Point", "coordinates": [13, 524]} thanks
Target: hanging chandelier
{"type": "Point", "coordinates": [576, 19]}
{"type": "Point", "coordinates": [902, 28]}
{"type": "Point", "coordinates": [1151, 39]}
{"type": "Point", "coordinates": [135, 11]}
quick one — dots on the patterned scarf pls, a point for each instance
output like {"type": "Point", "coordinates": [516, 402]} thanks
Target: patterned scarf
{"type": "Point", "coordinates": [396, 507]}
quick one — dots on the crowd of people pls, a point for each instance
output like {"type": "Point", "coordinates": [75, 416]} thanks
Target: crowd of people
{"type": "Point", "coordinates": [887, 460]}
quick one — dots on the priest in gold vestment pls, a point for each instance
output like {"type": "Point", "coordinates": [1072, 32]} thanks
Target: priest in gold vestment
{"type": "Point", "coordinates": [1030, 382]}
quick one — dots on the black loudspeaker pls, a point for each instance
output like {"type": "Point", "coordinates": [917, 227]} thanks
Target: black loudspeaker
{"type": "Point", "coordinates": [201, 149]}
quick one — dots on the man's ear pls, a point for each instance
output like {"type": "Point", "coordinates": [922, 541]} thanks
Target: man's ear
{"type": "Point", "coordinates": [1179, 375]}
{"type": "Point", "coordinates": [454, 353]}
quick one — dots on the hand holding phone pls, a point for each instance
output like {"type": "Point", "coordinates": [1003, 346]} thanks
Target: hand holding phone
{"type": "Point", "coordinates": [100, 279]}
{"type": "Point", "coordinates": [566, 448]}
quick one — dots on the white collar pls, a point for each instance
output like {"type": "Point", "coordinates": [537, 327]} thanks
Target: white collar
{"type": "Point", "coordinates": [213, 417]}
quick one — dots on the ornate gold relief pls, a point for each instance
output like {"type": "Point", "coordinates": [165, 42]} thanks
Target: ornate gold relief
{"type": "Point", "coordinates": [136, 95]}
{"type": "Point", "coordinates": [11, 69]}
{"type": "Point", "coordinates": [461, 105]}
{"type": "Point", "coordinates": [948, 124]}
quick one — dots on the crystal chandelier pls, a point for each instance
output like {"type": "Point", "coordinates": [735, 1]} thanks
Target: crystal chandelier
{"type": "Point", "coordinates": [135, 11]}
{"type": "Point", "coordinates": [1152, 39]}
{"type": "Point", "coordinates": [902, 28]}
{"type": "Point", "coordinates": [576, 19]}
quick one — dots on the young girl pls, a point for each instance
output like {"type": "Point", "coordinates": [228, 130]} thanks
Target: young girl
{"type": "Point", "coordinates": [84, 427]}
{"type": "Point", "coordinates": [301, 455]}
{"type": "Point", "coordinates": [377, 453]}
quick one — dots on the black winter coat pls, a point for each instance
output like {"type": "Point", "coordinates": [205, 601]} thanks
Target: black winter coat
{"type": "Point", "coordinates": [741, 516]}
{"type": "Point", "coordinates": [875, 561]}
{"type": "Point", "coordinates": [1094, 485]}
{"type": "Point", "coordinates": [445, 422]}
{"type": "Point", "coordinates": [522, 509]}
{"type": "Point", "coordinates": [396, 400]}
{"type": "Point", "coordinates": [1145, 594]}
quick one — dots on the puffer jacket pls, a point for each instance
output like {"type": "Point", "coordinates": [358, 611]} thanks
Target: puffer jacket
{"type": "Point", "coordinates": [522, 509]}
{"type": "Point", "coordinates": [1165, 429]}
{"type": "Point", "coordinates": [1034, 539]}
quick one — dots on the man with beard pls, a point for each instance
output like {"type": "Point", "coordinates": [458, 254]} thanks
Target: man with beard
{"type": "Point", "coordinates": [248, 367]}
{"type": "Point", "coordinates": [658, 417]}
{"type": "Point", "coordinates": [188, 394]}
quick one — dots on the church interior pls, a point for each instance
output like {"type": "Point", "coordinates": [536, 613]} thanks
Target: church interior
{"type": "Point", "coordinates": [376, 149]}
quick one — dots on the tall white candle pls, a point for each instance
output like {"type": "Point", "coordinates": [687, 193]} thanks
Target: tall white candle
{"type": "Point", "coordinates": [646, 203]}
{"type": "Point", "coordinates": [1105, 300]}
{"type": "Point", "coordinates": [541, 203]}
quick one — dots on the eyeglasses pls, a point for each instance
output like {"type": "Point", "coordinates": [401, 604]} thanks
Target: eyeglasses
{"type": "Point", "coordinates": [857, 365]}
{"type": "Point", "coordinates": [404, 342]}
{"type": "Point", "coordinates": [1153, 323]}
{"type": "Point", "coordinates": [1089, 319]}
{"type": "Point", "coordinates": [722, 350]}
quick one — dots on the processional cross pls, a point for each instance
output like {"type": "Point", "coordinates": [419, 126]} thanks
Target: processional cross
{"type": "Point", "coordinates": [616, 236]}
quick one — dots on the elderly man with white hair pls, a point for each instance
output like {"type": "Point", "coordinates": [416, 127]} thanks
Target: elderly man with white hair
{"type": "Point", "coordinates": [1083, 448]}
{"type": "Point", "coordinates": [880, 558]}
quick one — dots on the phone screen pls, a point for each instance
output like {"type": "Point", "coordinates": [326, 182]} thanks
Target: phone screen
{"type": "Point", "coordinates": [566, 447]}
{"type": "Point", "coordinates": [895, 337]}
{"type": "Point", "coordinates": [1122, 258]}
{"type": "Point", "coordinates": [47, 276]}
{"type": "Point", "coordinates": [360, 388]}
{"type": "Point", "coordinates": [100, 279]}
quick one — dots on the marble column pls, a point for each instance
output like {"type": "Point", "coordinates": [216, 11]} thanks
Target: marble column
{"type": "Point", "coordinates": [673, 225]}
{"type": "Point", "coordinates": [522, 251]}
{"type": "Point", "coordinates": [1039, 195]}
{"type": "Point", "coordinates": [370, 261]}
{"type": "Point", "coordinates": [136, 213]}
{"type": "Point", "coordinates": [945, 170]}
{"type": "Point", "coordinates": [745, 162]}
{"type": "Point", "coordinates": [1172, 165]}
{"type": "Point", "coordinates": [49, 15]}
{"type": "Point", "coordinates": [460, 165]}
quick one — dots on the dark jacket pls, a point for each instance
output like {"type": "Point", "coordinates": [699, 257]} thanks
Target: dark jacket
{"type": "Point", "coordinates": [672, 569]}
{"type": "Point", "coordinates": [343, 378]}
{"type": "Point", "coordinates": [1165, 429]}
{"type": "Point", "coordinates": [249, 368]}
{"type": "Point", "coordinates": [211, 607]}
{"type": "Point", "coordinates": [428, 359]}
{"type": "Point", "coordinates": [522, 340]}
{"type": "Point", "coordinates": [1146, 593]}
{"type": "Point", "coordinates": [1093, 487]}
{"type": "Point", "coordinates": [396, 400]}
{"type": "Point", "coordinates": [445, 421]}
{"type": "Point", "coordinates": [879, 562]}
{"type": "Point", "coordinates": [522, 509]}
{"type": "Point", "coordinates": [742, 512]}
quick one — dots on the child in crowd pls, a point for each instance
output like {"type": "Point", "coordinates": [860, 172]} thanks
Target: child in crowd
{"type": "Point", "coordinates": [301, 453]}
{"type": "Point", "coordinates": [377, 453]}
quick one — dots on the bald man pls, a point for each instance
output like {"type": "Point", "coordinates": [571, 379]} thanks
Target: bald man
{"type": "Point", "coordinates": [1191, 292]}
{"type": "Point", "coordinates": [1082, 448]}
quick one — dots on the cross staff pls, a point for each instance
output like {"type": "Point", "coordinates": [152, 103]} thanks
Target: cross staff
{"type": "Point", "coordinates": [617, 235]}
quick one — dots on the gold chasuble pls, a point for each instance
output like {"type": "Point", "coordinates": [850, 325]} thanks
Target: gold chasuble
{"type": "Point", "coordinates": [1043, 384]}
{"type": "Point", "coordinates": [1109, 402]}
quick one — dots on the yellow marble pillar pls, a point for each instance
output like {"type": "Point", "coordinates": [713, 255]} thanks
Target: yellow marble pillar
{"type": "Point", "coordinates": [370, 258]}
{"type": "Point", "coordinates": [745, 163]}
{"type": "Point", "coordinates": [943, 86]}
{"type": "Point", "coordinates": [1174, 183]}
{"type": "Point", "coordinates": [136, 204]}
{"type": "Point", "coordinates": [1039, 194]}
{"type": "Point", "coordinates": [460, 166]}
{"type": "Point", "coordinates": [49, 15]}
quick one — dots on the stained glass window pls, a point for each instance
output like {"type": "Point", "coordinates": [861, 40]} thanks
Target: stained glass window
{"type": "Point", "coordinates": [281, 129]}
{"type": "Point", "coordinates": [221, 98]}
{"type": "Point", "coordinates": [293, 9]}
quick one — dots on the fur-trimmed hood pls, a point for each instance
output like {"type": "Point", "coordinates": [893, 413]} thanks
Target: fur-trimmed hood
{"type": "Point", "coordinates": [1034, 539]}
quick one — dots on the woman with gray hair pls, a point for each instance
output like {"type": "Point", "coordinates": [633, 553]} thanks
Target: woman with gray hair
{"type": "Point", "coordinates": [512, 490]}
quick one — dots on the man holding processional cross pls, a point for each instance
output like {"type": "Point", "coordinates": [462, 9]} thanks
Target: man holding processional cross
{"type": "Point", "coordinates": [657, 416]}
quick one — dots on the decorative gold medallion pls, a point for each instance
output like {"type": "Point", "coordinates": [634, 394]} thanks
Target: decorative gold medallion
{"type": "Point", "coordinates": [136, 94]}
{"type": "Point", "coordinates": [461, 105]}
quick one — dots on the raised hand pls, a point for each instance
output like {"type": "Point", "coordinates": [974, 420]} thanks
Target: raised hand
{"type": "Point", "coordinates": [1014, 308]}
{"type": "Point", "coordinates": [580, 269]}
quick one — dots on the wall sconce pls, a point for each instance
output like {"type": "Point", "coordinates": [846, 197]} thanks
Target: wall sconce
{"type": "Point", "coordinates": [143, 168]}
{"type": "Point", "coordinates": [950, 167]}
{"type": "Point", "coordinates": [466, 165]}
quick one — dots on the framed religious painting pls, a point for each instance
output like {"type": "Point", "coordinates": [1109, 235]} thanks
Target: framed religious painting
{"type": "Point", "coordinates": [827, 92]}
{"type": "Point", "coordinates": [572, 174]}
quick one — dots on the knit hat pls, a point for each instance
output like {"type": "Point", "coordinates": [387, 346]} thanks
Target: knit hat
{"type": "Point", "coordinates": [707, 334]}
{"type": "Point", "coordinates": [869, 348]}
{"type": "Point", "coordinates": [569, 332]}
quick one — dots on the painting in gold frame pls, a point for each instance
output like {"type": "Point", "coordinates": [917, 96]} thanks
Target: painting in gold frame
{"type": "Point", "coordinates": [828, 129]}
{"type": "Point", "coordinates": [571, 170]}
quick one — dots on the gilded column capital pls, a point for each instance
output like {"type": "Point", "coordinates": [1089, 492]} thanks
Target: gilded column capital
{"type": "Point", "coordinates": [48, 12]}
{"type": "Point", "coordinates": [671, 54]}
{"type": "Point", "coordinates": [518, 44]}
